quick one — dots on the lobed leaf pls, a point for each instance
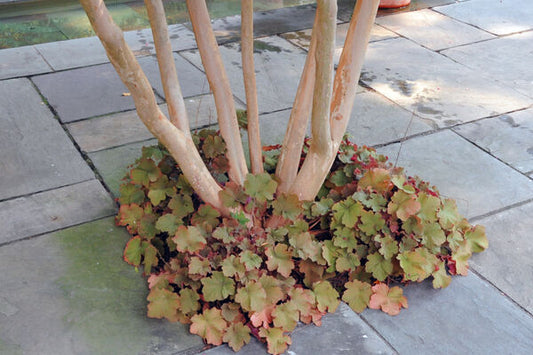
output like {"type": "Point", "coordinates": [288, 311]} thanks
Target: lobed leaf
{"type": "Point", "coordinates": [285, 316]}
{"type": "Point", "coordinates": [380, 267]}
{"type": "Point", "coordinates": [390, 300]}
{"type": "Point", "coordinates": [476, 239]}
{"type": "Point", "coordinates": [237, 335]}
{"type": "Point", "coordinates": [260, 186]}
{"type": "Point", "coordinates": [210, 325]}
{"type": "Point", "coordinates": [217, 287]}
{"type": "Point", "coordinates": [357, 295]}
{"type": "Point", "coordinates": [280, 259]}
{"type": "Point", "coordinates": [163, 304]}
{"type": "Point", "coordinates": [189, 239]}
{"type": "Point", "coordinates": [277, 341]}
{"type": "Point", "coordinates": [327, 297]}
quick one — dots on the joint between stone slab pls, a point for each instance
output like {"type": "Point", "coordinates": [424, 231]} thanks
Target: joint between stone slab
{"type": "Point", "coordinates": [501, 292]}
{"type": "Point", "coordinates": [378, 333]}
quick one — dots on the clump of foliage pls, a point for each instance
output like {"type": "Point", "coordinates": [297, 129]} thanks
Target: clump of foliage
{"type": "Point", "coordinates": [277, 261]}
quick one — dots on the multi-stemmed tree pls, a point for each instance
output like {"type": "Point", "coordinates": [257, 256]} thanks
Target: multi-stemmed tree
{"type": "Point", "coordinates": [235, 253]}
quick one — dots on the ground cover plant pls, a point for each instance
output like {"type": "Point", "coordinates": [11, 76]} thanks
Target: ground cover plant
{"type": "Point", "coordinates": [237, 253]}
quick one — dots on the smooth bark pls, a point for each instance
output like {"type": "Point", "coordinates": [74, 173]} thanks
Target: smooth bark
{"type": "Point", "coordinates": [219, 83]}
{"type": "Point", "coordinates": [291, 151]}
{"type": "Point", "coordinates": [180, 146]}
{"type": "Point", "coordinates": [167, 68]}
{"type": "Point", "coordinates": [317, 164]}
{"type": "Point", "coordinates": [248, 71]}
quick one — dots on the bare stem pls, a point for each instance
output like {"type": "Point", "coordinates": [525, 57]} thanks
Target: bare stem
{"type": "Point", "coordinates": [167, 68]}
{"type": "Point", "coordinates": [317, 164]}
{"type": "Point", "coordinates": [248, 70]}
{"type": "Point", "coordinates": [320, 126]}
{"type": "Point", "coordinates": [180, 146]}
{"type": "Point", "coordinates": [219, 83]}
{"type": "Point", "coordinates": [291, 151]}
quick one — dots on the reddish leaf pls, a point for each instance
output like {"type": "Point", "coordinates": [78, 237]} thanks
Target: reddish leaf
{"type": "Point", "coordinates": [390, 300]}
{"type": "Point", "coordinates": [163, 304]}
{"type": "Point", "coordinates": [133, 251]}
{"type": "Point", "coordinates": [189, 239]}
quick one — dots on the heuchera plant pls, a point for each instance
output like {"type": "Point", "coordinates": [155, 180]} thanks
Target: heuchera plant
{"type": "Point", "coordinates": [277, 261]}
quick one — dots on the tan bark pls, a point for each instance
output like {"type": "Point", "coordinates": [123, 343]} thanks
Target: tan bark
{"type": "Point", "coordinates": [180, 146]}
{"type": "Point", "coordinates": [219, 83]}
{"type": "Point", "coordinates": [248, 70]}
{"type": "Point", "coordinates": [291, 151]}
{"type": "Point", "coordinates": [318, 163]}
{"type": "Point", "coordinates": [167, 68]}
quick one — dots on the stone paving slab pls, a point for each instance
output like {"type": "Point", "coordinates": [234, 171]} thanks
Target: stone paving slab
{"type": "Point", "coordinates": [122, 128]}
{"type": "Point", "coordinates": [371, 112]}
{"type": "Point", "coordinates": [345, 7]}
{"type": "Point", "coordinates": [112, 164]}
{"type": "Point", "coordinates": [330, 338]}
{"type": "Point", "coordinates": [303, 38]}
{"type": "Point", "coordinates": [507, 262]}
{"type": "Point", "coordinates": [432, 29]}
{"type": "Point", "coordinates": [16, 62]}
{"type": "Point", "coordinates": [508, 137]}
{"type": "Point", "coordinates": [278, 65]}
{"type": "Point", "coordinates": [193, 82]}
{"type": "Point", "coordinates": [86, 92]}
{"type": "Point", "coordinates": [89, 51]}
{"type": "Point", "coordinates": [266, 23]}
{"type": "Point", "coordinates": [77, 296]}
{"type": "Point", "coordinates": [495, 16]}
{"type": "Point", "coordinates": [507, 60]}
{"type": "Point", "coordinates": [468, 317]}
{"type": "Point", "coordinates": [36, 154]}
{"type": "Point", "coordinates": [54, 209]}
{"type": "Point", "coordinates": [433, 86]}
{"type": "Point", "coordinates": [479, 183]}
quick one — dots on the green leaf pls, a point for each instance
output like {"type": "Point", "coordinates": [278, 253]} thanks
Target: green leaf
{"type": "Point", "coordinates": [159, 190]}
{"type": "Point", "coordinates": [400, 182]}
{"type": "Point", "coordinates": [390, 300]}
{"type": "Point", "coordinates": [199, 266]}
{"type": "Point", "coordinates": [181, 205]}
{"type": "Point", "coordinates": [252, 297]}
{"type": "Point", "coordinates": [433, 236]}
{"type": "Point", "coordinates": [232, 195]}
{"type": "Point", "coordinates": [261, 186]}
{"type": "Point", "coordinates": [286, 316]}
{"type": "Point", "coordinates": [321, 207]}
{"type": "Point", "coordinates": [209, 325]}
{"type": "Point", "coordinates": [339, 178]}
{"type": "Point", "coordinates": [145, 172]}
{"type": "Point", "coordinates": [189, 239]}
{"type": "Point", "coordinates": [347, 261]}
{"type": "Point", "coordinates": [418, 264]}
{"type": "Point", "coordinates": [206, 215]}
{"type": "Point", "coordinates": [133, 251]}
{"type": "Point", "coordinates": [404, 205]}
{"type": "Point", "coordinates": [429, 205]}
{"type": "Point", "coordinates": [330, 253]}
{"type": "Point", "coordinates": [280, 259]}
{"type": "Point", "coordinates": [131, 193]}
{"type": "Point", "coordinates": [240, 217]}
{"type": "Point", "coordinates": [380, 267]}
{"type": "Point", "coordinates": [213, 146]}
{"type": "Point", "coordinates": [237, 335]}
{"type": "Point", "coordinates": [232, 266]}
{"type": "Point", "coordinates": [371, 223]}
{"type": "Point", "coordinates": [477, 239]}
{"type": "Point", "coordinates": [250, 260]}
{"type": "Point", "coordinates": [150, 257]}
{"type": "Point", "coordinates": [374, 201]}
{"type": "Point", "coordinates": [441, 279]}
{"type": "Point", "coordinates": [152, 152]}
{"type": "Point", "coordinates": [448, 215]}
{"type": "Point", "coordinates": [389, 246]}
{"type": "Point", "coordinates": [327, 297]}
{"type": "Point", "coordinates": [461, 256]}
{"type": "Point", "coordinates": [304, 246]}
{"type": "Point", "coordinates": [222, 233]}
{"type": "Point", "coordinates": [277, 341]}
{"type": "Point", "coordinates": [288, 206]}
{"type": "Point", "coordinates": [377, 179]}
{"type": "Point", "coordinates": [347, 212]}
{"type": "Point", "coordinates": [217, 287]}
{"type": "Point", "coordinates": [147, 227]}
{"type": "Point", "coordinates": [272, 288]}
{"type": "Point", "coordinates": [163, 304]}
{"type": "Point", "coordinates": [303, 300]}
{"type": "Point", "coordinates": [189, 301]}
{"type": "Point", "coordinates": [130, 215]}
{"type": "Point", "coordinates": [168, 223]}
{"type": "Point", "coordinates": [345, 238]}
{"type": "Point", "coordinates": [357, 295]}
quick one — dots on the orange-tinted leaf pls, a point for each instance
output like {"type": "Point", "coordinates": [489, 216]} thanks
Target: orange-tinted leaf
{"type": "Point", "coordinates": [210, 325]}
{"type": "Point", "coordinates": [390, 300]}
{"type": "Point", "coordinates": [237, 335]}
{"type": "Point", "coordinates": [189, 239]}
{"type": "Point", "coordinates": [163, 304]}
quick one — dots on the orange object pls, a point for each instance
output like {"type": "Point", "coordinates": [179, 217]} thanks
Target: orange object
{"type": "Point", "coordinates": [392, 4]}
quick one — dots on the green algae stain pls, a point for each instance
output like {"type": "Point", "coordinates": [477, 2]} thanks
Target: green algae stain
{"type": "Point", "coordinates": [8, 348]}
{"type": "Point", "coordinates": [260, 47]}
{"type": "Point", "coordinates": [107, 298]}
